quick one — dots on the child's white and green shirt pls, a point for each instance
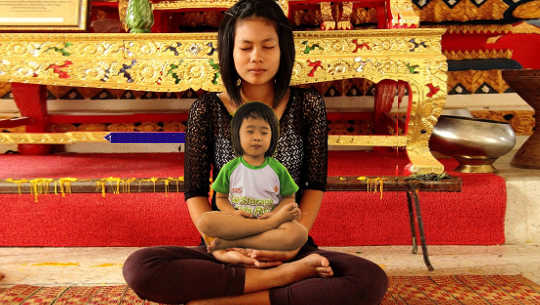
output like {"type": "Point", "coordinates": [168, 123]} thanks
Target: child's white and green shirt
{"type": "Point", "coordinates": [255, 189]}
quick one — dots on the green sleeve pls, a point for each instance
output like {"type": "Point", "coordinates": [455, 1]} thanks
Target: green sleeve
{"type": "Point", "coordinates": [287, 185]}
{"type": "Point", "coordinates": [221, 184]}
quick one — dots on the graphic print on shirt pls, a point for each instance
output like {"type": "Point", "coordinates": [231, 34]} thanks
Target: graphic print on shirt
{"type": "Point", "coordinates": [259, 189]}
{"type": "Point", "coordinates": [255, 189]}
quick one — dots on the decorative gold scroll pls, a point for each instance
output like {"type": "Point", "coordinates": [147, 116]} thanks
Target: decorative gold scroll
{"type": "Point", "coordinates": [388, 141]}
{"type": "Point", "coordinates": [177, 62]}
{"type": "Point", "coordinates": [403, 14]}
{"type": "Point", "coordinates": [53, 138]}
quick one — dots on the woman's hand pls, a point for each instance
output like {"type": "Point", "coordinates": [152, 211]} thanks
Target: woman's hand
{"type": "Point", "coordinates": [238, 256]}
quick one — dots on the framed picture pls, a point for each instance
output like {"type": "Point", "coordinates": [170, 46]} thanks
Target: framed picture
{"type": "Point", "coordinates": [45, 15]}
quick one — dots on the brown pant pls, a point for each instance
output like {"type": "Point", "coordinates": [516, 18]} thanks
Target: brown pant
{"type": "Point", "coordinates": [175, 275]}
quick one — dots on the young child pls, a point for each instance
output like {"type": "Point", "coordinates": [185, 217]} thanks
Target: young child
{"type": "Point", "coordinates": [254, 192]}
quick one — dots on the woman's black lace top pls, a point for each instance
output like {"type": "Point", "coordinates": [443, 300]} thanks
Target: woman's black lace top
{"type": "Point", "coordinates": [302, 145]}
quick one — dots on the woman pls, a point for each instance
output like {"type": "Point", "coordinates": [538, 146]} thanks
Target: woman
{"type": "Point", "coordinates": [256, 55]}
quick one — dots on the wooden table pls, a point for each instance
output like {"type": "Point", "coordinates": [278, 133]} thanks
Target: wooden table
{"type": "Point", "coordinates": [527, 84]}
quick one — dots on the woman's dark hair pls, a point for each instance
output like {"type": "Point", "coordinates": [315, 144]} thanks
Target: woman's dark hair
{"type": "Point", "coordinates": [271, 11]}
{"type": "Point", "coordinates": [256, 110]}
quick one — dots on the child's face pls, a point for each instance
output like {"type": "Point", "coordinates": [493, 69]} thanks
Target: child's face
{"type": "Point", "coordinates": [255, 136]}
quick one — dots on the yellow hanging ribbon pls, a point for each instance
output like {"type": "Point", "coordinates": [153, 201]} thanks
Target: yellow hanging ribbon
{"type": "Point", "coordinates": [40, 186]}
{"type": "Point", "coordinates": [19, 183]}
{"type": "Point", "coordinates": [65, 185]}
{"type": "Point", "coordinates": [127, 184]}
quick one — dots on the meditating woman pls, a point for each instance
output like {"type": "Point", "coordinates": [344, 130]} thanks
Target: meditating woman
{"type": "Point", "coordinates": [254, 186]}
{"type": "Point", "coordinates": [256, 57]}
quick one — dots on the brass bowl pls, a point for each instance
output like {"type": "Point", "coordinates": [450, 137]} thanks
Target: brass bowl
{"type": "Point", "coordinates": [475, 143]}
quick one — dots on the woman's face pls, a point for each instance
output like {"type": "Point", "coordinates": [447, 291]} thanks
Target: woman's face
{"type": "Point", "coordinates": [256, 50]}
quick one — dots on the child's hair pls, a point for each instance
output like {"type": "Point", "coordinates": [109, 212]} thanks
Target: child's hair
{"type": "Point", "coordinates": [256, 110]}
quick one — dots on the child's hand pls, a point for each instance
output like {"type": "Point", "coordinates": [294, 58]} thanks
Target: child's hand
{"type": "Point", "coordinates": [243, 213]}
{"type": "Point", "coordinates": [266, 215]}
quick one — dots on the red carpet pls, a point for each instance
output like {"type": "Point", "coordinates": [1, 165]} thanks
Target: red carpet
{"type": "Point", "coordinates": [473, 216]}
{"type": "Point", "coordinates": [418, 290]}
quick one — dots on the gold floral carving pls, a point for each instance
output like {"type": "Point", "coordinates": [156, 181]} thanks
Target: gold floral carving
{"type": "Point", "coordinates": [519, 28]}
{"type": "Point", "coordinates": [472, 80]}
{"type": "Point", "coordinates": [344, 21]}
{"type": "Point", "coordinates": [474, 29]}
{"type": "Point", "coordinates": [189, 60]}
{"type": "Point", "coordinates": [403, 14]}
{"type": "Point", "coordinates": [389, 141]}
{"type": "Point", "coordinates": [524, 28]}
{"type": "Point", "coordinates": [529, 10]}
{"type": "Point", "coordinates": [522, 121]}
{"type": "Point", "coordinates": [438, 11]}
{"type": "Point", "coordinates": [327, 22]}
{"type": "Point", "coordinates": [478, 54]}
{"type": "Point", "coordinates": [364, 15]}
{"type": "Point", "coordinates": [122, 10]}
{"type": "Point", "coordinates": [196, 4]}
{"type": "Point", "coordinates": [307, 17]}
{"type": "Point", "coordinates": [180, 61]}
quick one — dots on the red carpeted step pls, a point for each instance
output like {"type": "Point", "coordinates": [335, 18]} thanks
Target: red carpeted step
{"type": "Point", "coordinates": [473, 216]}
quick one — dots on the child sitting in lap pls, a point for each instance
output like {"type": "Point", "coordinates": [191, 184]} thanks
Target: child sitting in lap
{"type": "Point", "coordinates": [254, 192]}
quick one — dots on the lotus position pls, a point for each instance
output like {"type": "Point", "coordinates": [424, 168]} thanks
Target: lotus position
{"type": "Point", "coordinates": [256, 58]}
{"type": "Point", "coordinates": [254, 192]}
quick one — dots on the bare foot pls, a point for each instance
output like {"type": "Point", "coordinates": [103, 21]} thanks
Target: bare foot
{"type": "Point", "coordinates": [288, 212]}
{"type": "Point", "coordinates": [310, 266]}
{"type": "Point", "coordinates": [219, 244]}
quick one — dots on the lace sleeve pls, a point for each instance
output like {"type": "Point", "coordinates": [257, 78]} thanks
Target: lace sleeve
{"type": "Point", "coordinates": [198, 149]}
{"type": "Point", "coordinates": [316, 146]}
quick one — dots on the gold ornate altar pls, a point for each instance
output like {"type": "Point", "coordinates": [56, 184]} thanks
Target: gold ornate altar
{"type": "Point", "coordinates": [176, 62]}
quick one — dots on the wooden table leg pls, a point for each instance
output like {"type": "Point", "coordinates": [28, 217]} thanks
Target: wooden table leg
{"type": "Point", "coordinates": [526, 84]}
{"type": "Point", "coordinates": [411, 220]}
{"type": "Point", "coordinates": [414, 194]}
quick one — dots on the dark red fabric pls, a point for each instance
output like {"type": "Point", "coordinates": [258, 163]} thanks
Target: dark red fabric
{"type": "Point", "coordinates": [473, 216]}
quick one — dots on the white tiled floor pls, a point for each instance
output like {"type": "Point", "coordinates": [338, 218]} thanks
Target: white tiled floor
{"type": "Point", "coordinates": [98, 266]}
